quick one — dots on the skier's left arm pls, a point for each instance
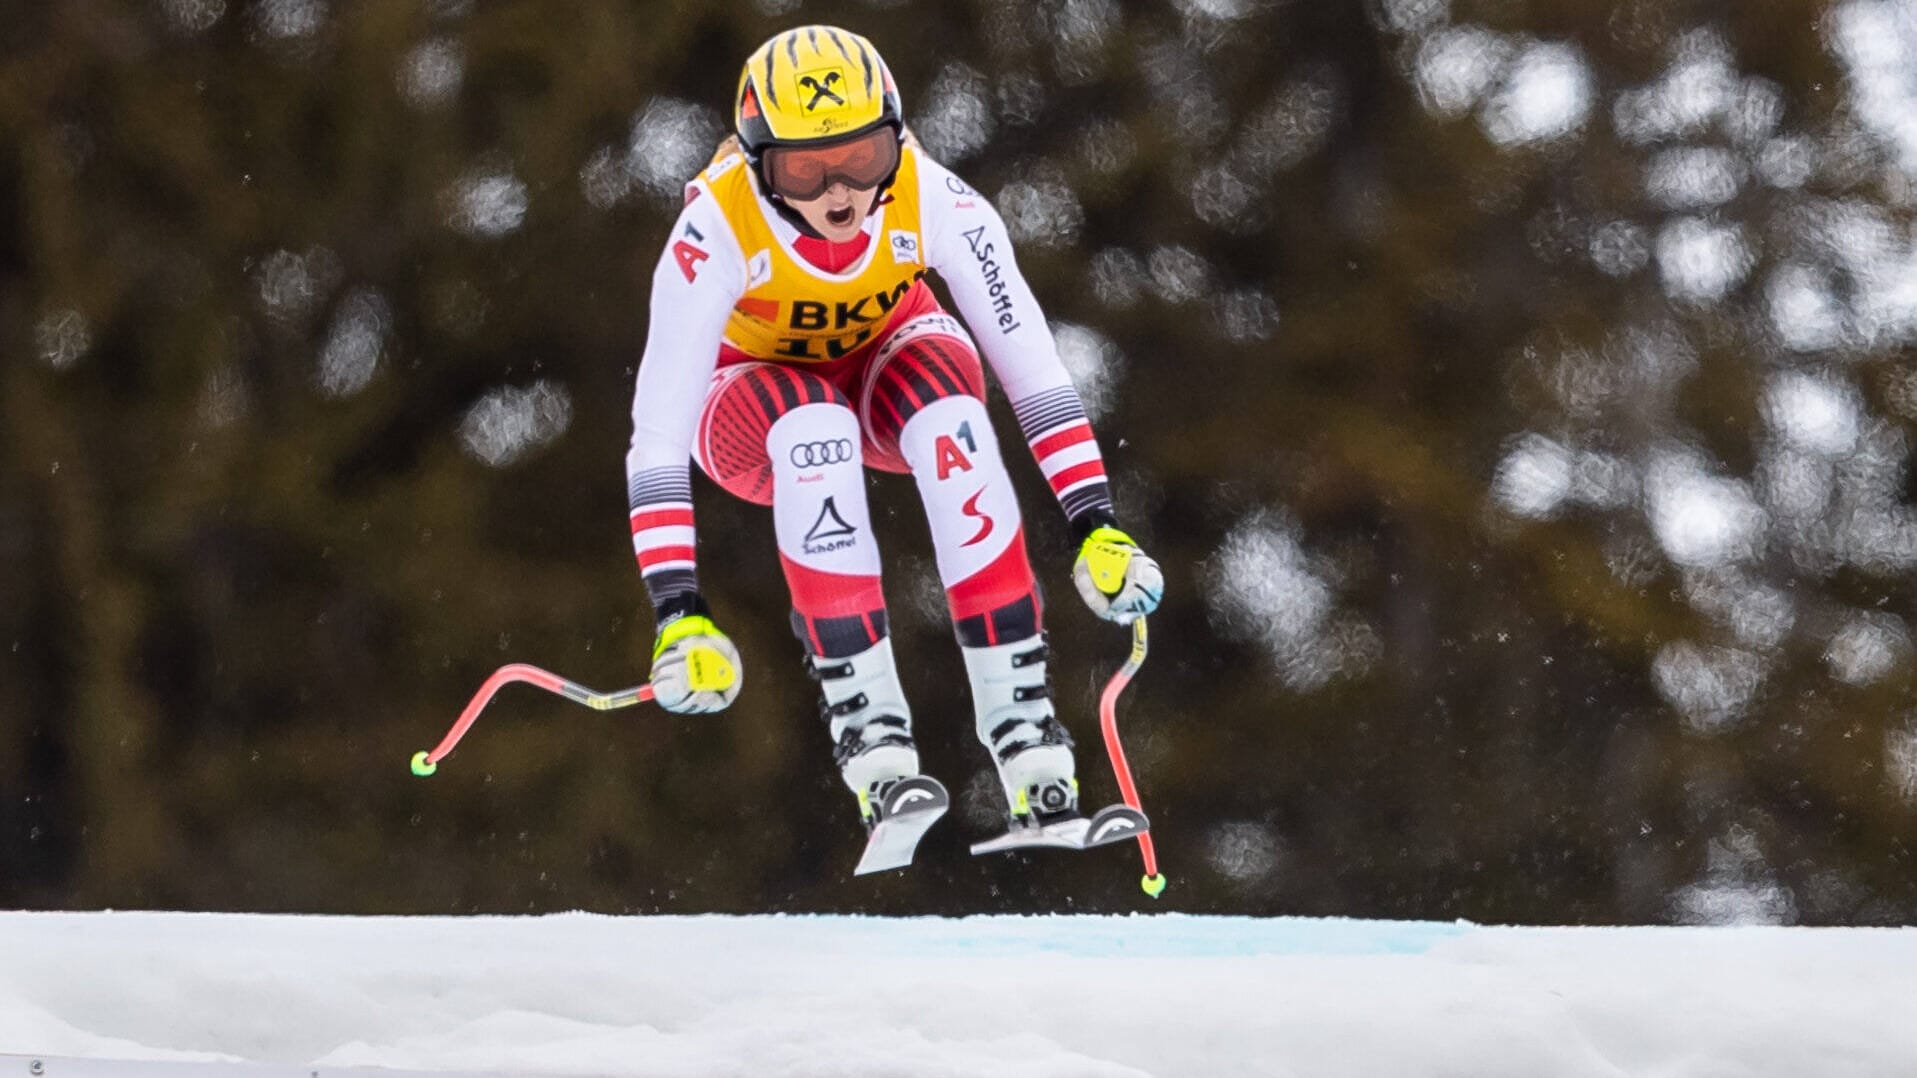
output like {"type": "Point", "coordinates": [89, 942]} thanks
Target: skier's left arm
{"type": "Point", "coordinates": [966, 242]}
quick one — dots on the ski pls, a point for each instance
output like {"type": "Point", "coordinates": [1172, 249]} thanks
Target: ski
{"type": "Point", "coordinates": [904, 812]}
{"type": "Point", "coordinates": [1114, 823]}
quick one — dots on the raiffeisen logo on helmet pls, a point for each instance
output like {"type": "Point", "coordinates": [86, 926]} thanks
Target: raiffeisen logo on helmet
{"type": "Point", "coordinates": [822, 89]}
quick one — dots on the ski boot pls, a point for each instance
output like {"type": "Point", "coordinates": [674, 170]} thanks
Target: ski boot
{"type": "Point", "coordinates": [871, 726]}
{"type": "Point", "coordinates": [1011, 696]}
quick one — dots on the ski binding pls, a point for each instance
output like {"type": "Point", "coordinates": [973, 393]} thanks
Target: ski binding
{"type": "Point", "coordinates": [1114, 823]}
{"type": "Point", "coordinates": [903, 813]}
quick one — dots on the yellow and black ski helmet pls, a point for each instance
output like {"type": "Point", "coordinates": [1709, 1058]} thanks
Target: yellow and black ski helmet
{"type": "Point", "coordinates": [810, 85]}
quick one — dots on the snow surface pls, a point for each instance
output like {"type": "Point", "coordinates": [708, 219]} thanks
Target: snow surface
{"type": "Point", "coordinates": [1059, 996]}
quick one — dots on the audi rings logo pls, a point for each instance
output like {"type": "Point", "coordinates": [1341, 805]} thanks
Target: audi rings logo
{"type": "Point", "coordinates": [814, 454]}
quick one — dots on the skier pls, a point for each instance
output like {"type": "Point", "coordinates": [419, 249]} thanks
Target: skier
{"type": "Point", "coordinates": [794, 343]}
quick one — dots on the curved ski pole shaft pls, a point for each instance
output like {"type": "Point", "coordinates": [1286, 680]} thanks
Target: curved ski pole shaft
{"type": "Point", "coordinates": [425, 763]}
{"type": "Point", "coordinates": [1153, 883]}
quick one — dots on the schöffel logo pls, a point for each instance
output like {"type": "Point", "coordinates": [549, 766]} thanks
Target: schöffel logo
{"type": "Point", "coordinates": [991, 272]}
{"type": "Point", "coordinates": [828, 533]}
{"type": "Point", "coordinates": [815, 454]}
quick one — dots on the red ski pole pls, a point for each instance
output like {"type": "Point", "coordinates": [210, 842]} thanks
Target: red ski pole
{"type": "Point", "coordinates": [425, 763]}
{"type": "Point", "coordinates": [1153, 883]}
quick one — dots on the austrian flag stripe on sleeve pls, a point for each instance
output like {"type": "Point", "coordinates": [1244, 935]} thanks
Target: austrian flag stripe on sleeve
{"type": "Point", "coordinates": [1055, 427]}
{"type": "Point", "coordinates": [668, 516]}
{"type": "Point", "coordinates": [660, 508]}
{"type": "Point", "coordinates": [662, 536]}
{"type": "Point", "coordinates": [1069, 458]}
{"type": "Point", "coordinates": [1075, 434]}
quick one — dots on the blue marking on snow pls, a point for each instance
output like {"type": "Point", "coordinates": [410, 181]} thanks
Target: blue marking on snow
{"type": "Point", "coordinates": [1156, 936]}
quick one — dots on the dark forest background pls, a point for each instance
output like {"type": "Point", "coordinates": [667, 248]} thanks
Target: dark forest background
{"type": "Point", "coordinates": [1518, 394]}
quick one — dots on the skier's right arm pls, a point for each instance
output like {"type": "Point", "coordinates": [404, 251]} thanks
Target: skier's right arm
{"type": "Point", "coordinates": [700, 276]}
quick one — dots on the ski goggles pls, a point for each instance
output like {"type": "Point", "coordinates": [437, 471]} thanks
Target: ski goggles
{"type": "Point", "coordinates": [803, 173]}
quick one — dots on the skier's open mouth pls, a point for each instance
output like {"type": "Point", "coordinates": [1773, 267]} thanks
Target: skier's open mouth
{"type": "Point", "coordinates": [840, 217]}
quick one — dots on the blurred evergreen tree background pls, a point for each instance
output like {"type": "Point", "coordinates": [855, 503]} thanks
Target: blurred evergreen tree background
{"type": "Point", "coordinates": [1518, 393]}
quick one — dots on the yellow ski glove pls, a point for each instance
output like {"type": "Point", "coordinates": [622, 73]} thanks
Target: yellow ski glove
{"type": "Point", "coordinates": [1117, 580]}
{"type": "Point", "coordinates": [695, 669]}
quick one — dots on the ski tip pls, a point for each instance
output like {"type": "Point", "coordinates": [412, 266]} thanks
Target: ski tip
{"type": "Point", "coordinates": [1153, 885]}
{"type": "Point", "coordinates": [422, 766]}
